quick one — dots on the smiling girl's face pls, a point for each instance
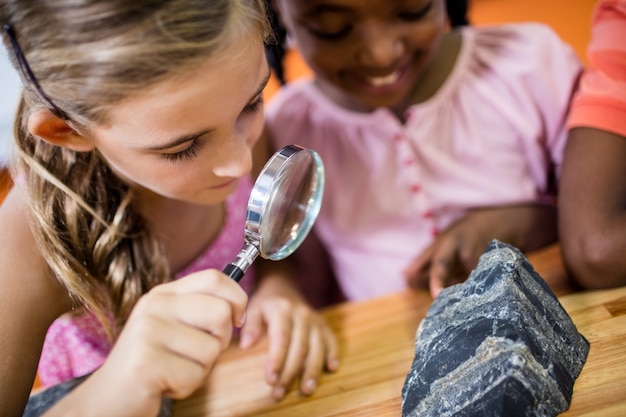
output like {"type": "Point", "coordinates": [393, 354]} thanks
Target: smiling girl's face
{"type": "Point", "coordinates": [190, 138]}
{"type": "Point", "coordinates": [366, 54]}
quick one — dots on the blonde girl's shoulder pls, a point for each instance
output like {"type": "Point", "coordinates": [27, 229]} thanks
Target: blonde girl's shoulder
{"type": "Point", "coordinates": [24, 273]}
{"type": "Point", "coordinates": [30, 300]}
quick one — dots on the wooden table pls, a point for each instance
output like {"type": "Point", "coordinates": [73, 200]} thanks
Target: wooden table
{"type": "Point", "coordinates": [377, 348]}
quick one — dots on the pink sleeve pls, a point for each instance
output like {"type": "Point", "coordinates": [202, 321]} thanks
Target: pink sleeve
{"type": "Point", "coordinates": [601, 101]}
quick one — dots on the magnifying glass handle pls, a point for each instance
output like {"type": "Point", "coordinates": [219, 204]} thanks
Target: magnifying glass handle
{"type": "Point", "coordinates": [238, 267]}
{"type": "Point", "coordinates": [234, 272]}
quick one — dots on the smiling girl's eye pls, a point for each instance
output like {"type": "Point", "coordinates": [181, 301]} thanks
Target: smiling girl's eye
{"type": "Point", "coordinates": [331, 36]}
{"type": "Point", "coordinates": [186, 154]}
{"type": "Point", "coordinates": [254, 105]}
{"type": "Point", "coordinates": [413, 16]}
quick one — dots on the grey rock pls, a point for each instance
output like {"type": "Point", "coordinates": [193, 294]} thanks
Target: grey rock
{"type": "Point", "coordinates": [499, 344]}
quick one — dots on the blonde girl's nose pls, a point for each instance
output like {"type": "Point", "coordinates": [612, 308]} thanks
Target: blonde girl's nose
{"type": "Point", "coordinates": [235, 160]}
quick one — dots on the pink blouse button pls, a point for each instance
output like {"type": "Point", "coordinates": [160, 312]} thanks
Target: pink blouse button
{"type": "Point", "coordinates": [415, 188]}
{"type": "Point", "coordinates": [398, 137]}
{"type": "Point", "coordinates": [428, 215]}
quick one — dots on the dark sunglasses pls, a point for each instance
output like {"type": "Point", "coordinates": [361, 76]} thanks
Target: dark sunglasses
{"type": "Point", "coordinates": [27, 73]}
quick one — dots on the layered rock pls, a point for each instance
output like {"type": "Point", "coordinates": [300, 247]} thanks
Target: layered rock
{"type": "Point", "coordinates": [500, 344]}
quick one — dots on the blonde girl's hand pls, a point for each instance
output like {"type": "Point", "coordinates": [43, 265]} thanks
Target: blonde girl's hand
{"type": "Point", "coordinates": [301, 345]}
{"type": "Point", "coordinates": [168, 346]}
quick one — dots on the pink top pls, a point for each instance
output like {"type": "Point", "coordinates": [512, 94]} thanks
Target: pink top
{"type": "Point", "coordinates": [601, 101]}
{"type": "Point", "coordinates": [76, 346]}
{"type": "Point", "coordinates": [491, 135]}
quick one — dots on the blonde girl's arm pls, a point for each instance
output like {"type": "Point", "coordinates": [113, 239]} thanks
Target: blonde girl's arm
{"type": "Point", "coordinates": [30, 300]}
{"type": "Point", "coordinates": [173, 337]}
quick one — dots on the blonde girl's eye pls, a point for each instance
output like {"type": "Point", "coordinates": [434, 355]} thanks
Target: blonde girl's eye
{"type": "Point", "coordinates": [255, 105]}
{"type": "Point", "coordinates": [186, 154]}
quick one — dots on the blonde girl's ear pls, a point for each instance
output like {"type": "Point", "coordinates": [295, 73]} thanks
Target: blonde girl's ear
{"type": "Point", "coordinates": [56, 131]}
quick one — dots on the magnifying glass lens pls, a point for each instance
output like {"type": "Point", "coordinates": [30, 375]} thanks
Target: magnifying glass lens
{"type": "Point", "coordinates": [283, 205]}
{"type": "Point", "coordinates": [292, 207]}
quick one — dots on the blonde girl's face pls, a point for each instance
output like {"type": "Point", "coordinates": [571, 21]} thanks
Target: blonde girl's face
{"type": "Point", "coordinates": [190, 138]}
{"type": "Point", "coordinates": [366, 53]}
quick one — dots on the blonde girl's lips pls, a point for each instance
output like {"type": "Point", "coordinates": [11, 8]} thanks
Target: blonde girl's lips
{"type": "Point", "coordinates": [224, 184]}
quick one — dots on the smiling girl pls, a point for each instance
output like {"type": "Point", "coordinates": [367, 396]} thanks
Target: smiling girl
{"type": "Point", "coordinates": [435, 141]}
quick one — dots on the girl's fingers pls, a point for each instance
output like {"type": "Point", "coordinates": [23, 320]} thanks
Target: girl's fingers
{"type": "Point", "coordinates": [175, 334]}
{"type": "Point", "coordinates": [296, 356]}
{"type": "Point", "coordinates": [155, 357]}
{"type": "Point", "coordinates": [207, 313]}
{"type": "Point", "coordinates": [210, 282]}
{"type": "Point", "coordinates": [301, 345]}
{"type": "Point", "coordinates": [332, 349]}
{"type": "Point", "coordinates": [315, 362]}
{"type": "Point", "coordinates": [179, 376]}
{"type": "Point", "coordinates": [417, 273]}
{"type": "Point", "coordinates": [278, 316]}
{"type": "Point", "coordinates": [254, 327]}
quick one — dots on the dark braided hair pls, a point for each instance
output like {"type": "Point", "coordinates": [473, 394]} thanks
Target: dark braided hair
{"type": "Point", "coordinates": [275, 51]}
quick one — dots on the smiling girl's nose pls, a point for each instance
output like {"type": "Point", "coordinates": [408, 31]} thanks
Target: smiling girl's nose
{"type": "Point", "coordinates": [380, 46]}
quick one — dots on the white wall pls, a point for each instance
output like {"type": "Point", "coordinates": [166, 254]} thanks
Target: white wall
{"type": "Point", "coordinates": [10, 86]}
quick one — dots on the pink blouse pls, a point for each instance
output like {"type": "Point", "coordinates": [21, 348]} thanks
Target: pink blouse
{"type": "Point", "coordinates": [492, 135]}
{"type": "Point", "coordinates": [76, 346]}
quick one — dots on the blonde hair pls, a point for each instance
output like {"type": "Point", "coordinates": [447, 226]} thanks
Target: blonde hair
{"type": "Point", "coordinates": [87, 56]}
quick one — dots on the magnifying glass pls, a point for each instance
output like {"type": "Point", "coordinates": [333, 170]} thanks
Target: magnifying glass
{"type": "Point", "coordinates": [283, 205]}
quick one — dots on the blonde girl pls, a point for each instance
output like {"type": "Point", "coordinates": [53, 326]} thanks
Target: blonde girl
{"type": "Point", "coordinates": [134, 142]}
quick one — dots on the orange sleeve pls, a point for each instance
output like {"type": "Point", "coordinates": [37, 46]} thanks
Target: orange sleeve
{"type": "Point", "coordinates": [601, 99]}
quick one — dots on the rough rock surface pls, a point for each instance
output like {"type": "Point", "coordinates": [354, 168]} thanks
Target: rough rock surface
{"type": "Point", "coordinates": [499, 344]}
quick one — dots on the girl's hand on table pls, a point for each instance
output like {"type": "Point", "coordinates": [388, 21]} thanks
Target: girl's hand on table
{"type": "Point", "coordinates": [455, 252]}
{"type": "Point", "coordinates": [168, 346]}
{"type": "Point", "coordinates": [301, 345]}
{"type": "Point", "coordinates": [448, 260]}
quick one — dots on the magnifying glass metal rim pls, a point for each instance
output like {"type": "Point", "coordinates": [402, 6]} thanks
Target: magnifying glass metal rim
{"type": "Point", "coordinates": [258, 205]}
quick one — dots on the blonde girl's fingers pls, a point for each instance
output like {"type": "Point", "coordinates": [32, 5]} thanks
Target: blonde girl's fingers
{"type": "Point", "coordinates": [297, 354]}
{"type": "Point", "coordinates": [323, 355]}
{"type": "Point", "coordinates": [209, 313]}
{"type": "Point", "coordinates": [278, 316]}
{"type": "Point", "coordinates": [179, 377]}
{"type": "Point", "coordinates": [150, 353]}
{"type": "Point", "coordinates": [314, 363]}
{"type": "Point", "coordinates": [166, 319]}
{"type": "Point", "coordinates": [254, 327]}
{"type": "Point", "coordinates": [332, 350]}
{"type": "Point", "coordinates": [211, 282]}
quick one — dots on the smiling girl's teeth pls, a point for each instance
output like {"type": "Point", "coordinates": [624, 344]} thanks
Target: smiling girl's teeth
{"type": "Point", "coordinates": [383, 81]}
